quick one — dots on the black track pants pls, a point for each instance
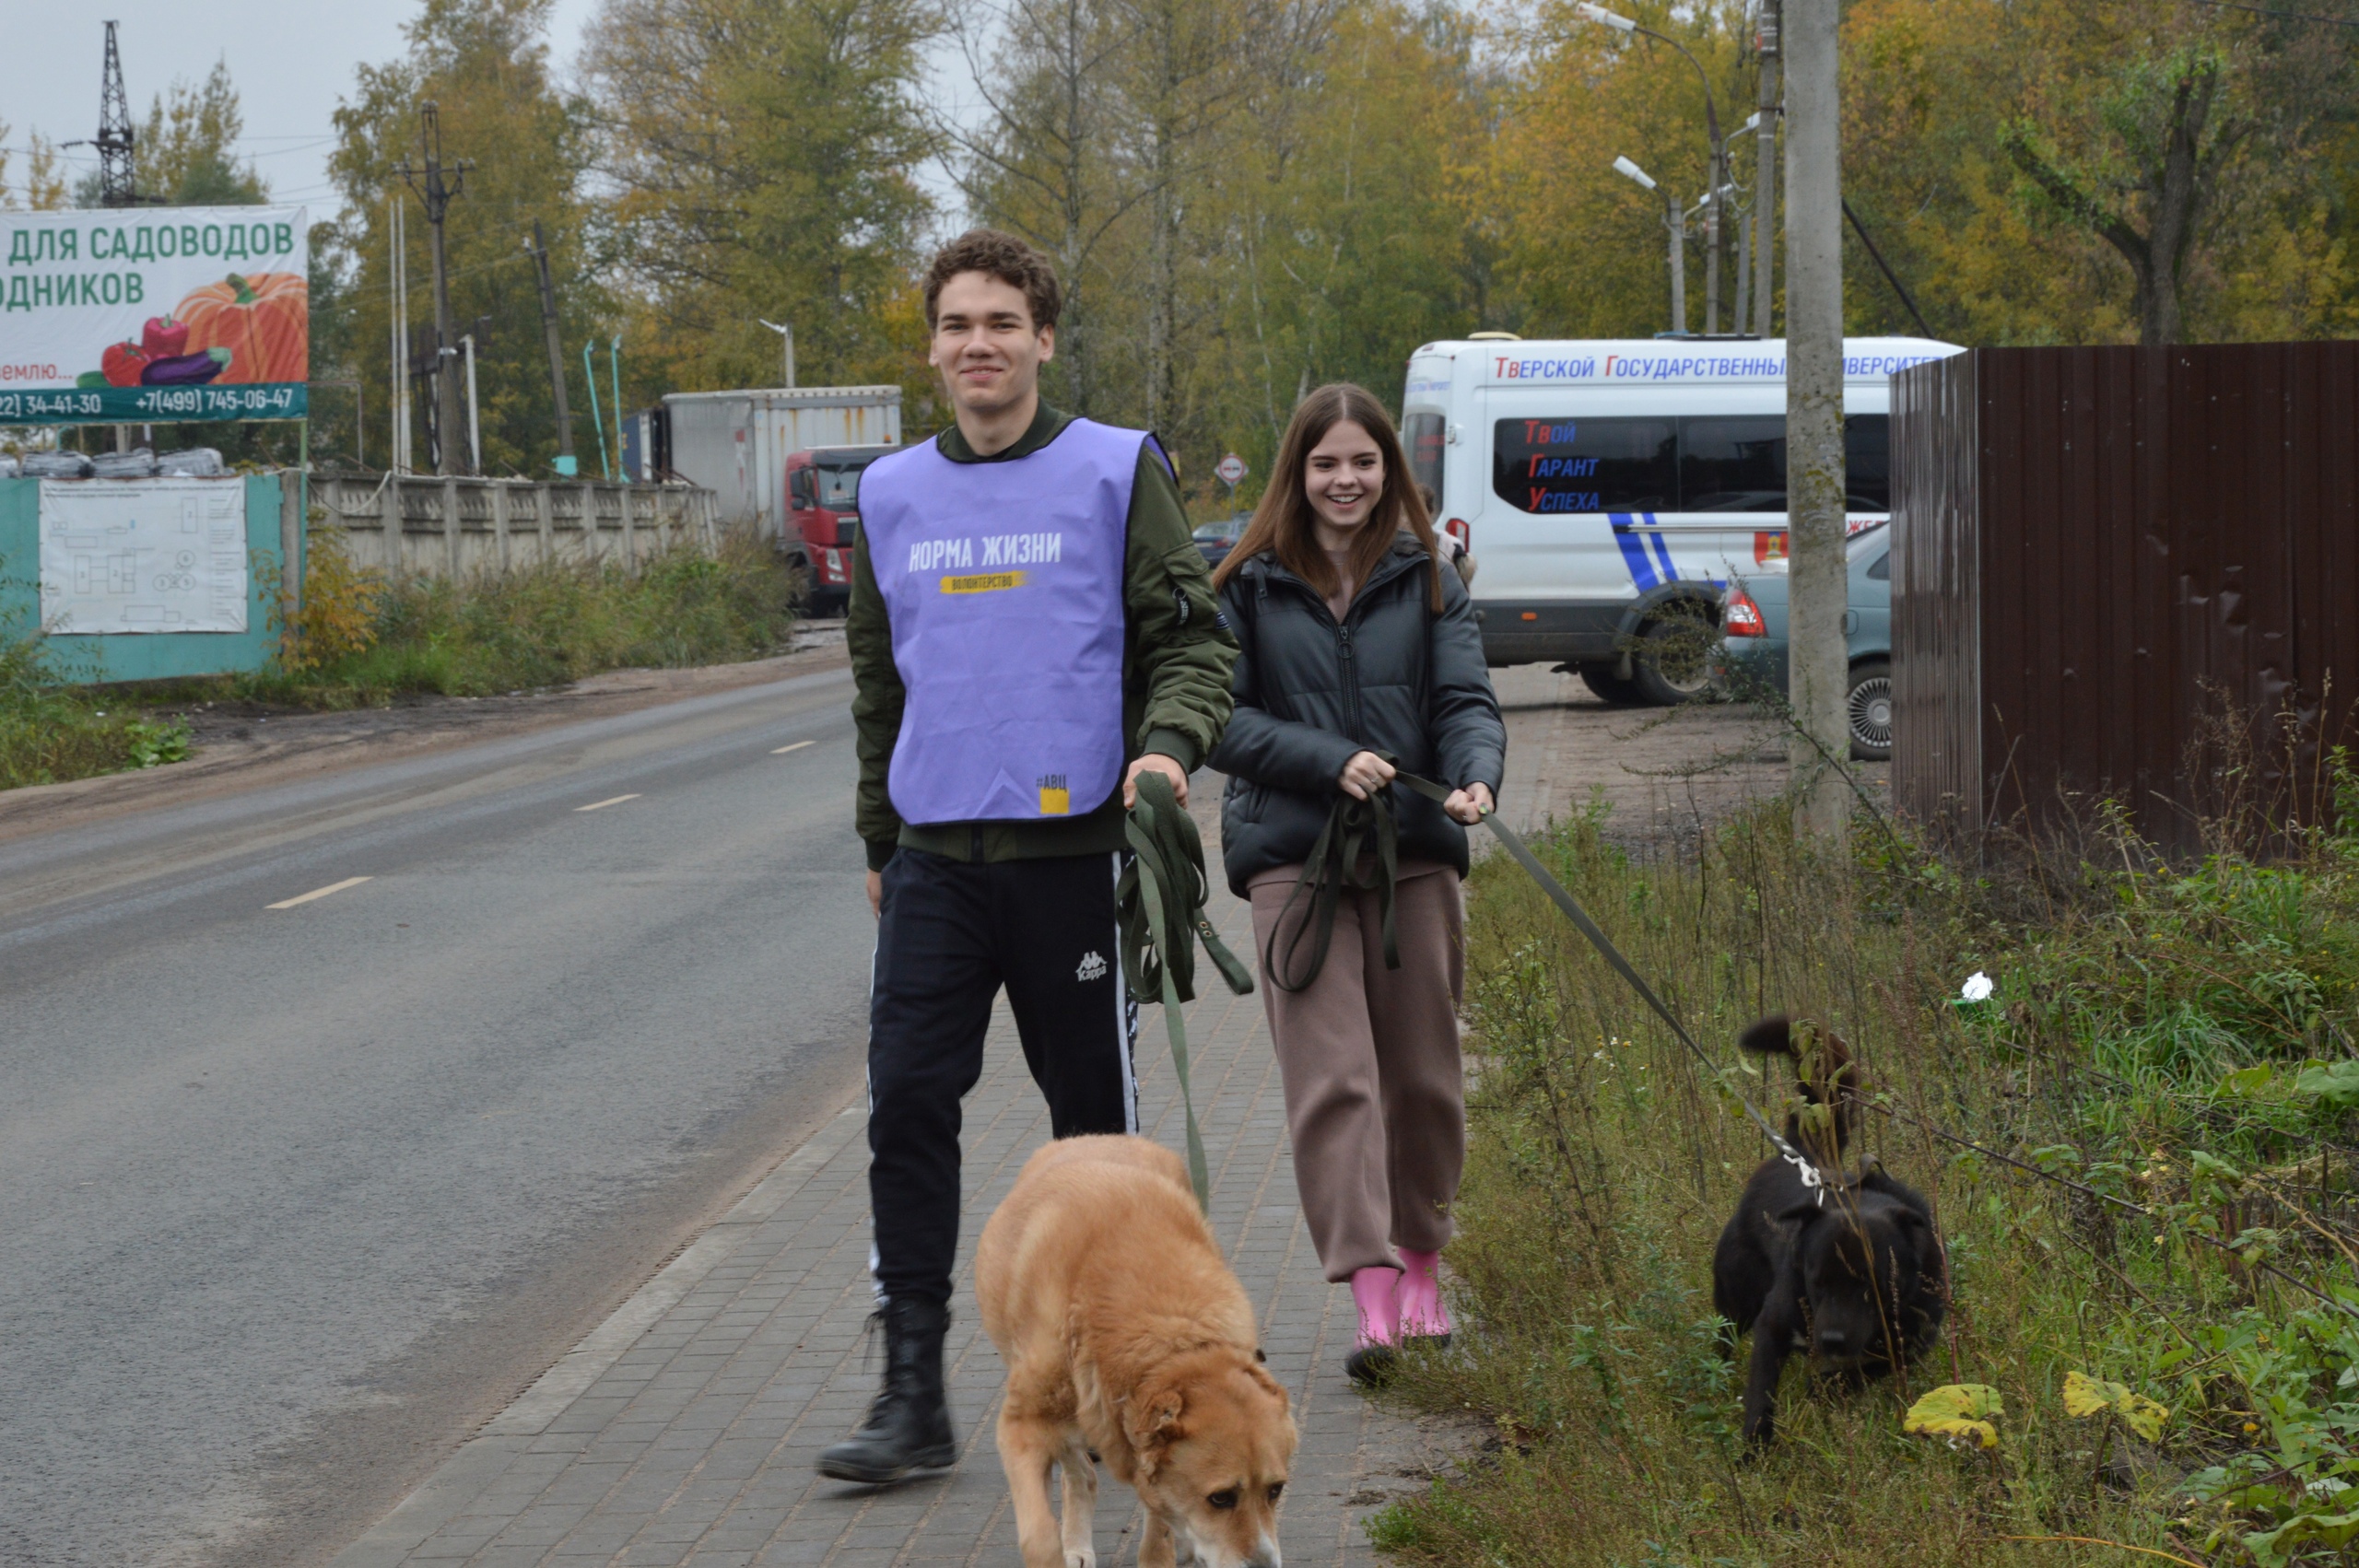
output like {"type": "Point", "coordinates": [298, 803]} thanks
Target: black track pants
{"type": "Point", "coordinates": [948, 936]}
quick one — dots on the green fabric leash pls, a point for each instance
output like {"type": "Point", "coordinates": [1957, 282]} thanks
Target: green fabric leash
{"type": "Point", "coordinates": [1161, 903]}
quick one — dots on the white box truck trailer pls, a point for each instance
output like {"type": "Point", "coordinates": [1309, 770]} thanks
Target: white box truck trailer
{"type": "Point", "coordinates": [736, 443]}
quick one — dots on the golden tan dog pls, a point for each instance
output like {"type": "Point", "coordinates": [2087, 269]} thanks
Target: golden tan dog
{"type": "Point", "coordinates": [1126, 1336]}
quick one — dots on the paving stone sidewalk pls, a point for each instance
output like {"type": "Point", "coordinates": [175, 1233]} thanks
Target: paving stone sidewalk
{"type": "Point", "coordinates": [684, 1428]}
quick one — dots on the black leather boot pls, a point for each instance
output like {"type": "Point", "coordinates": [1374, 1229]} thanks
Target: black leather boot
{"type": "Point", "coordinates": [908, 1426]}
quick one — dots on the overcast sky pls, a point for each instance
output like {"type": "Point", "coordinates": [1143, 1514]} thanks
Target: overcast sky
{"type": "Point", "coordinates": [291, 60]}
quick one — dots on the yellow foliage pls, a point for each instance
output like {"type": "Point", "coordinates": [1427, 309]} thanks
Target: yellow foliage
{"type": "Point", "coordinates": [2086, 1396]}
{"type": "Point", "coordinates": [338, 615]}
{"type": "Point", "coordinates": [1587, 249]}
{"type": "Point", "coordinates": [1957, 1411]}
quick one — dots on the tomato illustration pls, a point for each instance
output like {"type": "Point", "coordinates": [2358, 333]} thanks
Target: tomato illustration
{"type": "Point", "coordinates": [122, 363]}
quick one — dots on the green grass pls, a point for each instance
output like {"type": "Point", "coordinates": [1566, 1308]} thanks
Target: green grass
{"type": "Point", "coordinates": [550, 624]}
{"type": "Point", "coordinates": [426, 637]}
{"type": "Point", "coordinates": [51, 731]}
{"type": "Point", "coordinates": [2160, 1036]}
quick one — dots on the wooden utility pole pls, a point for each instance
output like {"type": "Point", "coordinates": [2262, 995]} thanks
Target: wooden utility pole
{"type": "Point", "coordinates": [565, 462]}
{"type": "Point", "coordinates": [1765, 198]}
{"type": "Point", "coordinates": [438, 184]}
{"type": "Point", "coordinates": [1817, 590]}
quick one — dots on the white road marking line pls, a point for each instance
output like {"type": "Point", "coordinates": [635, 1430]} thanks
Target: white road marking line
{"type": "Point", "coordinates": [317, 893]}
{"type": "Point", "coordinates": [795, 747]}
{"type": "Point", "coordinates": [602, 805]}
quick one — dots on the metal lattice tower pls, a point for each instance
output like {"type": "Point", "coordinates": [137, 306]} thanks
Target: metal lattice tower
{"type": "Point", "coordinates": [117, 184]}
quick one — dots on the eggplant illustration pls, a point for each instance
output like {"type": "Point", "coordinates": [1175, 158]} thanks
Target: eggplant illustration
{"type": "Point", "coordinates": [186, 370]}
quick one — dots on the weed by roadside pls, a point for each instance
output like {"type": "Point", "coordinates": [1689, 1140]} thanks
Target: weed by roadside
{"type": "Point", "coordinates": [51, 730]}
{"type": "Point", "coordinates": [361, 641]}
{"type": "Point", "coordinates": [2174, 1044]}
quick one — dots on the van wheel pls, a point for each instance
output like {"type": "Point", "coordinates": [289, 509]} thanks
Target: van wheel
{"type": "Point", "coordinates": [1869, 710]}
{"type": "Point", "coordinates": [1673, 662]}
{"type": "Point", "coordinates": [1600, 679]}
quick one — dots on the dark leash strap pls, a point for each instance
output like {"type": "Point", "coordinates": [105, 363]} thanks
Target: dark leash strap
{"type": "Point", "coordinates": [1160, 900]}
{"type": "Point", "coordinates": [1354, 827]}
{"type": "Point", "coordinates": [1811, 1177]}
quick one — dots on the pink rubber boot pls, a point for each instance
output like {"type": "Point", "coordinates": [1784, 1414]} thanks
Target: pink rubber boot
{"type": "Point", "coordinates": [1422, 1316]}
{"type": "Point", "coordinates": [1374, 1292]}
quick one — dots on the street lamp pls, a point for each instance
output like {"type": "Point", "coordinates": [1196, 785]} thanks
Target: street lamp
{"type": "Point", "coordinates": [1677, 223]}
{"type": "Point", "coordinates": [1743, 233]}
{"type": "Point", "coordinates": [786, 345]}
{"type": "Point", "coordinates": [1715, 173]}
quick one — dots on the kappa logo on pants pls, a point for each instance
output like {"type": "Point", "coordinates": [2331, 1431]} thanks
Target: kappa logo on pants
{"type": "Point", "coordinates": [1093, 967]}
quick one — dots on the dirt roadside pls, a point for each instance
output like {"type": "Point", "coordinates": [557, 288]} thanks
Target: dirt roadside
{"type": "Point", "coordinates": [242, 746]}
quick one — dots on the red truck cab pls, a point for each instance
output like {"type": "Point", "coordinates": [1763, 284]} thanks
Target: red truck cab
{"type": "Point", "coordinates": [823, 504]}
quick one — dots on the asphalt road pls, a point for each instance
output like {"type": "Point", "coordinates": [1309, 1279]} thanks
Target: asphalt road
{"type": "Point", "coordinates": [292, 1197]}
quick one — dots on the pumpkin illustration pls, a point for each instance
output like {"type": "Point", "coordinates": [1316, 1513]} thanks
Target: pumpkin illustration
{"type": "Point", "coordinates": [263, 319]}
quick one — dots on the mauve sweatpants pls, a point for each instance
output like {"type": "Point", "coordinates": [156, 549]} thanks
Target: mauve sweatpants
{"type": "Point", "coordinates": [1375, 1103]}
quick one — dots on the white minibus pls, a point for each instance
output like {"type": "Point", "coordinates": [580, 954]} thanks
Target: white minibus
{"type": "Point", "coordinates": [1608, 488]}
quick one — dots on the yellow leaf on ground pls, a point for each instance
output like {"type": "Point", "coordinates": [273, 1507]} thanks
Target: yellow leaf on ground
{"type": "Point", "coordinates": [1957, 1410]}
{"type": "Point", "coordinates": [2086, 1396]}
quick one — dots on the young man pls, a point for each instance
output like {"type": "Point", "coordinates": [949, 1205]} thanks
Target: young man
{"type": "Point", "coordinates": [1031, 627]}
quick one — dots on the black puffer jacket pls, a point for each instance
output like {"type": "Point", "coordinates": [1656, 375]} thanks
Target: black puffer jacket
{"type": "Point", "coordinates": [1394, 677]}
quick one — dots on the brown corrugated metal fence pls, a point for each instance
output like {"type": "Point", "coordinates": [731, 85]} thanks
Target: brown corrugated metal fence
{"type": "Point", "coordinates": [2100, 554]}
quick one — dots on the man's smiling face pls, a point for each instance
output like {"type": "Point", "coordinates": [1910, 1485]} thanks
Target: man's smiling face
{"type": "Point", "coordinates": [985, 347]}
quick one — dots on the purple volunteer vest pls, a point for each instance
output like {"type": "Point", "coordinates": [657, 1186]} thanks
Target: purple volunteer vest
{"type": "Point", "coordinates": [1003, 581]}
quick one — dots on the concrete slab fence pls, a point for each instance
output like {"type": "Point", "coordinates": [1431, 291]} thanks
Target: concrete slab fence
{"type": "Point", "coordinates": [412, 525]}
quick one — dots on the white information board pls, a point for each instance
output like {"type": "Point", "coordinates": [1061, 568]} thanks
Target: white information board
{"type": "Point", "coordinates": [143, 555]}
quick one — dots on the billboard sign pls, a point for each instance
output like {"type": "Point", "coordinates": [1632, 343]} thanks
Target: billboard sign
{"type": "Point", "coordinates": [144, 315]}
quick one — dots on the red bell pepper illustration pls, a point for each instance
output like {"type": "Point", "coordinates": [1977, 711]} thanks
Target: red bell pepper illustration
{"type": "Point", "coordinates": [123, 363]}
{"type": "Point", "coordinates": [164, 338]}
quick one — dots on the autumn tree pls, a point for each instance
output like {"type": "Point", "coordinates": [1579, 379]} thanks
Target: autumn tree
{"type": "Point", "coordinates": [1348, 222]}
{"type": "Point", "coordinates": [44, 188]}
{"type": "Point", "coordinates": [484, 64]}
{"type": "Point", "coordinates": [1187, 73]}
{"type": "Point", "coordinates": [1039, 161]}
{"type": "Point", "coordinates": [188, 148]}
{"type": "Point", "coordinates": [2183, 113]}
{"type": "Point", "coordinates": [1584, 248]}
{"type": "Point", "coordinates": [763, 153]}
{"type": "Point", "coordinates": [2094, 171]}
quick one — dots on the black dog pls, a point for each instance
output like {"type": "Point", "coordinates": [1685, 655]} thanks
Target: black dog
{"type": "Point", "coordinates": [1859, 1282]}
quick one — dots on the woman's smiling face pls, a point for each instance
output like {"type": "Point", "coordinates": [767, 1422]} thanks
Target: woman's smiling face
{"type": "Point", "coordinates": [1341, 478]}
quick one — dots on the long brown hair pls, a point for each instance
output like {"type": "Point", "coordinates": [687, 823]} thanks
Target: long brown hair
{"type": "Point", "coordinates": [1281, 523]}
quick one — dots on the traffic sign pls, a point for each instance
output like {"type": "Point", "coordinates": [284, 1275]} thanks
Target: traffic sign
{"type": "Point", "coordinates": [1230, 468]}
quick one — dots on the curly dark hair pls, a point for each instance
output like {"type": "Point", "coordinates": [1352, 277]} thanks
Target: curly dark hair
{"type": "Point", "coordinates": [1005, 257]}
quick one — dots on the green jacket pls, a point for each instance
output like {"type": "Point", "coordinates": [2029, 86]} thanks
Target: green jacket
{"type": "Point", "coordinates": [1176, 664]}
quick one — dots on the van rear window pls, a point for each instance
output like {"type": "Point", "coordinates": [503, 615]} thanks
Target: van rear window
{"type": "Point", "coordinates": [1586, 465]}
{"type": "Point", "coordinates": [1722, 463]}
{"type": "Point", "coordinates": [1426, 435]}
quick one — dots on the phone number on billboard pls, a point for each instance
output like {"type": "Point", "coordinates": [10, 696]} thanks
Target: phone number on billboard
{"type": "Point", "coordinates": [48, 405]}
{"type": "Point", "coordinates": [200, 403]}
{"type": "Point", "coordinates": [278, 400]}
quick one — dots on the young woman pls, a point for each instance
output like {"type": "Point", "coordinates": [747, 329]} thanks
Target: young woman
{"type": "Point", "coordinates": [1359, 645]}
